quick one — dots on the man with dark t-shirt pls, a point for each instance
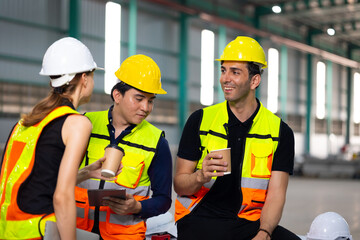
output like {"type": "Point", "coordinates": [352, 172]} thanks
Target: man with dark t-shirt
{"type": "Point", "coordinates": [248, 202]}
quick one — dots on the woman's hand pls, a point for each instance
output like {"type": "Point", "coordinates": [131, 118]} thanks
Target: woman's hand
{"type": "Point", "coordinates": [94, 171]}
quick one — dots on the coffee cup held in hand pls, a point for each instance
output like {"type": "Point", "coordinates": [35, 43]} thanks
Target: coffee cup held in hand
{"type": "Point", "coordinates": [226, 154]}
{"type": "Point", "coordinates": [113, 156]}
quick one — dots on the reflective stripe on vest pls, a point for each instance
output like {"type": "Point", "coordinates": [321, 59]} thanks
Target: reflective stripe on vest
{"type": "Point", "coordinates": [187, 201]}
{"type": "Point", "coordinates": [260, 146]}
{"type": "Point", "coordinates": [17, 165]}
{"type": "Point", "coordinates": [140, 147]}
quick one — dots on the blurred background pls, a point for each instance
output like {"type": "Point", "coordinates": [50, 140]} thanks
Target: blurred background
{"type": "Point", "coordinates": [313, 75]}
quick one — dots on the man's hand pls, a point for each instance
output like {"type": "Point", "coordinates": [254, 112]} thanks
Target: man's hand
{"type": "Point", "coordinates": [262, 235]}
{"type": "Point", "coordinates": [188, 182]}
{"type": "Point", "coordinates": [212, 166]}
{"type": "Point", "coordinates": [123, 207]}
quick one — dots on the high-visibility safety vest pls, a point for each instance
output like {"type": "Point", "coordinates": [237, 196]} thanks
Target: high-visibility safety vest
{"type": "Point", "coordinates": [140, 147]}
{"type": "Point", "coordinates": [18, 162]}
{"type": "Point", "coordinates": [260, 145]}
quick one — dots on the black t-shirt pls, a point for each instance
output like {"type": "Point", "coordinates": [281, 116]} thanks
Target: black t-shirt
{"type": "Point", "coordinates": [224, 199]}
{"type": "Point", "coordinates": [36, 193]}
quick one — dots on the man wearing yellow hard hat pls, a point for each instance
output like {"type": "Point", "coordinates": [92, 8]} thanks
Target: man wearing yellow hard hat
{"type": "Point", "coordinates": [243, 200]}
{"type": "Point", "coordinates": [146, 165]}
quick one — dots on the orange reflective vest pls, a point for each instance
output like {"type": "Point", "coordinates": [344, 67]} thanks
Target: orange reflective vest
{"type": "Point", "coordinates": [260, 145]}
{"type": "Point", "coordinates": [139, 147]}
{"type": "Point", "coordinates": [17, 165]}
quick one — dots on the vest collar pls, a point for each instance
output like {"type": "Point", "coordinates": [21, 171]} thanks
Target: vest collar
{"type": "Point", "coordinates": [233, 120]}
{"type": "Point", "coordinates": [111, 128]}
{"type": "Point", "coordinates": [258, 111]}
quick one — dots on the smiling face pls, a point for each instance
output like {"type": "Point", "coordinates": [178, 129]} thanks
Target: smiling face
{"type": "Point", "coordinates": [235, 82]}
{"type": "Point", "coordinates": [133, 107]}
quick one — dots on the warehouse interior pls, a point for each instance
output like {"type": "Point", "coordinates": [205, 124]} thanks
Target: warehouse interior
{"type": "Point", "coordinates": [313, 51]}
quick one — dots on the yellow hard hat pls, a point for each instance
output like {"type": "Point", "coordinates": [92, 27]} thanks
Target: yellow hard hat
{"type": "Point", "coordinates": [244, 49]}
{"type": "Point", "coordinates": [141, 72]}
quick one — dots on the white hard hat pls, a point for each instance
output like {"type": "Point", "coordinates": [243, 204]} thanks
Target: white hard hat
{"type": "Point", "coordinates": [329, 226]}
{"type": "Point", "coordinates": [66, 57]}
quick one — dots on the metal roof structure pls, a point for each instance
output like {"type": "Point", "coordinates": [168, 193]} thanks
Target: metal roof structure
{"type": "Point", "coordinates": [301, 24]}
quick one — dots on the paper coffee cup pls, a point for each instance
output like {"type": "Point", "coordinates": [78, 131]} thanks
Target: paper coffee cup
{"type": "Point", "coordinates": [113, 156]}
{"type": "Point", "coordinates": [226, 153]}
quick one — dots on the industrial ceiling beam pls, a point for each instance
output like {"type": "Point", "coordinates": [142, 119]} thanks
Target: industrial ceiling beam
{"type": "Point", "coordinates": [328, 10]}
{"type": "Point", "coordinates": [260, 33]}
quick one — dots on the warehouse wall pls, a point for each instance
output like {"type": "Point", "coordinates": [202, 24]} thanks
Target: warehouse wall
{"type": "Point", "coordinates": [28, 27]}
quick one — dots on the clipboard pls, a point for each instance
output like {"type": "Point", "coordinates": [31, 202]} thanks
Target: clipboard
{"type": "Point", "coordinates": [96, 196]}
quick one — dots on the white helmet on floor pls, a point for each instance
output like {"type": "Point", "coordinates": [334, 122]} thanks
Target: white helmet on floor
{"type": "Point", "coordinates": [329, 226]}
{"type": "Point", "coordinates": [65, 58]}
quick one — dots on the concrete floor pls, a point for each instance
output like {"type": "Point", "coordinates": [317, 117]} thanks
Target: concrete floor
{"type": "Point", "coordinates": [309, 197]}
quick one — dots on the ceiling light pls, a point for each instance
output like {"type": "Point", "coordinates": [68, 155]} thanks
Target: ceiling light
{"type": "Point", "coordinates": [330, 31]}
{"type": "Point", "coordinates": [276, 9]}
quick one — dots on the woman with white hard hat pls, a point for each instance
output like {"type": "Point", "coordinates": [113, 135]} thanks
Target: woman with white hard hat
{"type": "Point", "coordinates": [39, 168]}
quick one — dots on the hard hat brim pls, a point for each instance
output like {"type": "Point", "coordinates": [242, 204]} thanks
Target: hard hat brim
{"type": "Point", "coordinates": [100, 68]}
{"type": "Point", "coordinates": [237, 60]}
{"type": "Point", "coordinates": [43, 73]}
{"type": "Point", "coordinates": [161, 91]}
{"type": "Point", "coordinates": [60, 81]}
{"type": "Point", "coordinates": [66, 78]}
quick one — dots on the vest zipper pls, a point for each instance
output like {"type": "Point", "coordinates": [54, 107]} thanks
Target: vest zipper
{"type": "Point", "coordinates": [240, 170]}
{"type": "Point", "coordinates": [212, 187]}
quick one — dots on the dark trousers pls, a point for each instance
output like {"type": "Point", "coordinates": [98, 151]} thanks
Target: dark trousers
{"type": "Point", "coordinates": [198, 228]}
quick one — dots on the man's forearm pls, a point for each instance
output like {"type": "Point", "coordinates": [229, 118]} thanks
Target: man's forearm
{"type": "Point", "coordinates": [275, 201]}
{"type": "Point", "coordinates": [155, 206]}
{"type": "Point", "coordinates": [188, 184]}
{"type": "Point", "coordinates": [271, 213]}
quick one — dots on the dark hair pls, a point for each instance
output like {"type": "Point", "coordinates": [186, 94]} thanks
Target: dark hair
{"type": "Point", "coordinates": [253, 69]}
{"type": "Point", "coordinates": [121, 87]}
{"type": "Point", "coordinates": [57, 97]}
